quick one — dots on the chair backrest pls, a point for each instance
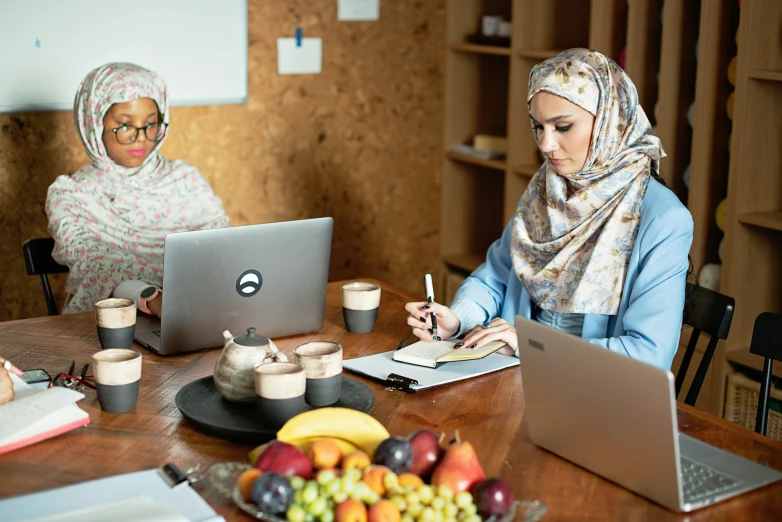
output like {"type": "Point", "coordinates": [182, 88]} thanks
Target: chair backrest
{"type": "Point", "coordinates": [766, 342]}
{"type": "Point", "coordinates": [710, 312]}
{"type": "Point", "coordinates": [38, 261]}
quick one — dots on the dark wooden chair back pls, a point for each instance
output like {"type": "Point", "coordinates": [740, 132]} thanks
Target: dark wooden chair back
{"type": "Point", "coordinates": [38, 261]}
{"type": "Point", "coordinates": [766, 342]}
{"type": "Point", "coordinates": [710, 312]}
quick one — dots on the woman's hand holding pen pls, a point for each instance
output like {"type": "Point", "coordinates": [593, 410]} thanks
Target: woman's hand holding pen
{"type": "Point", "coordinates": [420, 319]}
{"type": "Point", "coordinates": [6, 384]}
{"type": "Point", "coordinates": [495, 330]}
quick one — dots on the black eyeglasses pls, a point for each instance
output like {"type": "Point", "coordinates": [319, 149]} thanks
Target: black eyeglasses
{"type": "Point", "coordinates": [128, 134]}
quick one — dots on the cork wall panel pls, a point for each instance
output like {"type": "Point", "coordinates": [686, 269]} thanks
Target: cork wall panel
{"type": "Point", "coordinates": [360, 142]}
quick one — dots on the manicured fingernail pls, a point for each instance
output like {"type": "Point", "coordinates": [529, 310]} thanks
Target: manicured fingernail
{"type": "Point", "coordinates": [458, 345]}
{"type": "Point", "coordinates": [430, 330]}
{"type": "Point", "coordinates": [422, 319]}
{"type": "Point", "coordinates": [474, 345]}
{"type": "Point", "coordinates": [426, 307]}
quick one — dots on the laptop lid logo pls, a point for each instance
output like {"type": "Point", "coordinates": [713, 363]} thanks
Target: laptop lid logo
{"type": "Point", "coordinates": [249, 283]}
{"type": "Point", "coordinates": [536, 344]}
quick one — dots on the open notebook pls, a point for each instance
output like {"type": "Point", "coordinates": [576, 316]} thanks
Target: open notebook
{"type": "Point", "coordinates": [433, 353]}
{"type": "Point", "coordinates": [35, 415]}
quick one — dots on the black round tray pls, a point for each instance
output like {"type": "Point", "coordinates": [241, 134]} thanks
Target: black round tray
{"type": "Point", "coordinates": [201, 404]}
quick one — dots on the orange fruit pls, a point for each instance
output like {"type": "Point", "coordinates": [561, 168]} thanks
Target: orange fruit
{"type": "Point", "coordinates": [245, 482]}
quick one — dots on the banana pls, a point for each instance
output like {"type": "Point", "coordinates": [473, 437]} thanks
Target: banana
{"type": "Point", "coordinates": [358, 428]}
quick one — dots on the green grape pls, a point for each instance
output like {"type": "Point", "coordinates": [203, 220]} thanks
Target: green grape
{"type": "Point", "coordinates": [327, 516]}
{"type": "Point", "coordinates": [310, 492]}
{"type": "Point", "coordinates": [371, 498]}
{"type": "Point", "coordinates": [438, 516]}
{"type": "Point", "coordinates": [297, 482]}
{"type": "Point", "coordinates": [427, 515]}
{"type": "Point", "coordinates": [362, 490]}
{"type": "Point", "coordinates": [450, 511]}
{"type": "Point", "coordinates": [309, 518]}
{"type": "Point", "coordinates": [473, 518]}
{"type": "Point", "coordinates": [297, 497]}
{"type": "Point", "coordinates": [413, 498]}
{"type": "Point", "coordinates": [444, 492]}
{"type": "Point", "coordinates": [325, 476]}
{"type": "Point", "coordinates": [340, 496]}
{"type": "Point", "coordinates": [317, 507]}
{"type": "Point", "coordinates": [354, 474]}
{"type": "Point", "coordinates": [333, 487]}
{"type": "Point", "coordinates": [463, 499]}
{"type": "Point", "coordinates": [407, 518]}
{"type": "Point", "coordinates": [399, 502]}
{"type": "Point", "coordinates": [426, 493]}
{"type": "Point", "coordinates": [296, 513]}
{"type": "Point", "coordinates": [470, 509]}
{"type": "Point", "coordinates": [347, 484]}
{"type": "Point", "coordinates": [391, 481]}
{"type": "Point", "coordinates": [438, 503]}
{"type": "Point", "coordinates": [414, 509]}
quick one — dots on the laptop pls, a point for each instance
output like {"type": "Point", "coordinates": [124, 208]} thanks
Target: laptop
{"type": "Point", "coordinates": [272, 277]}
{"type": "Point", "coordinates": [616, 417]}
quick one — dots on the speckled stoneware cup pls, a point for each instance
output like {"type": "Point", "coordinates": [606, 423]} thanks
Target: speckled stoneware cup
{"type": "Point", "coordinates": [322, 360]}
{"type": "Point", "coordinates": [360, 302]}
{"type": "Point", "coordinates": [279, 390]}
{"type": "Point", "coordinates": [117, 374]}
{"type": "Point", "coordinates": [116, 320]}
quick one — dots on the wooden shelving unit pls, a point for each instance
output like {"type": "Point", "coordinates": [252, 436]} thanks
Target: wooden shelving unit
{"type": "Point", "coordinates": [492, 164]}
{"type": "Point", "coordinates": [753, 237]}
{"type": "Point", "coordinates": [480, 49]}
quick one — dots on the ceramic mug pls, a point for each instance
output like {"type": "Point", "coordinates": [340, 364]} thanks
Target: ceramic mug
{"type": "Point", "coordinates": [279, 390]}
{"type": "Point", "coordinates": [116, 321]}
{"type": "Point", "coordinates": [322, 361]}
{"type": "Point", "coordinates": [117, 373]}
{"type": "Point", "coordinates": [360, 304]}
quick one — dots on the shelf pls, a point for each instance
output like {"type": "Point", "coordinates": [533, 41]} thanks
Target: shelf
{"type": "Point", "coordinates": [468, 262]}
{"type": "Point", "coordinates": [750, 360]}
{"type": "Point", "coordinates": [538, 55]}
{"type": "Point", "coordinates": [771, 219]}
{"type": "Point", "coordinates": [760, 74]}
{"type": "Point", "coordinates": [491, 164]}
{"type": "Point", "coordinates": [480, 49]}
{"type": "Point", "coordinates": [526, 170]}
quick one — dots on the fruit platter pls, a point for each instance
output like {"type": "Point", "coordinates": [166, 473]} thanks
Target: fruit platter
{"type": "Point", "coordinates": [342, 465]}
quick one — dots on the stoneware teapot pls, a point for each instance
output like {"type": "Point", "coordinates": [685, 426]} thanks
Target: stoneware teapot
{"type": "Point", "coordinates": [235, 367]}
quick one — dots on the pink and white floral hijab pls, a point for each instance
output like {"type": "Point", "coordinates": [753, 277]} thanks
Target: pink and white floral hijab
{"type": "Point", "coordinates": [109, 222]}
{"type": "Point", "coordinates": [573, 235]}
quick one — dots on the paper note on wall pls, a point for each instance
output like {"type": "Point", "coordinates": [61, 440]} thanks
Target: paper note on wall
{"type": "Point", "coordinates": [299, 59]}
{"type": "Point", "coordinates": [358, 10]}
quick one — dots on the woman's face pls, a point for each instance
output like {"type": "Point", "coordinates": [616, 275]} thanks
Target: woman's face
{"type": "Point", "coordinates": [138, 113]}
{"type": "Point", "coordinates": [563, 130]}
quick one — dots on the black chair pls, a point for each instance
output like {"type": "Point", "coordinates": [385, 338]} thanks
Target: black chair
{"type": "Point", "coordinates": [766, 342]}
{"type": "Point", "coordinates": [38, 260]}
{"type": "Point", "coordinates": [710, 312]}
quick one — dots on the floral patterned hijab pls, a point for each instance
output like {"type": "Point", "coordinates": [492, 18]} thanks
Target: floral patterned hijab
{"type": "Point", "coordinates": [573, 235]}
{"type": "Point", "coordinates": [109, 222]}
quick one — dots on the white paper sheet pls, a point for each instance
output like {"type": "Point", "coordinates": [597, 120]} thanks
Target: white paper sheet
{"type": "Point", "coordinates": [304, 59]}
{"type": "Point", "coordinates": [354, 10]}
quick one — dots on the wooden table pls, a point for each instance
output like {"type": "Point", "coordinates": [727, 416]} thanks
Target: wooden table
{"type": "Point", "coordinates": [489, 412]}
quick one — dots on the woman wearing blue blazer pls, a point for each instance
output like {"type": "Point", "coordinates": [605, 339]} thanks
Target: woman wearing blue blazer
{"type": "Point", "coordinates": [599, 246]}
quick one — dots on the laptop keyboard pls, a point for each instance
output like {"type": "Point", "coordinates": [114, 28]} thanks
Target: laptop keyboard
{"type": "Point", "coordinates": [700, 482]}
{"type": "Point", "coordinates": [156, 332]}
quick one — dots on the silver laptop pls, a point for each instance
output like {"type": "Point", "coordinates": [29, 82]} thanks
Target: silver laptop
{"type": "Point", "coordinates": [616, 417]}
{"type": "Point", "coordinates": [272, 277]}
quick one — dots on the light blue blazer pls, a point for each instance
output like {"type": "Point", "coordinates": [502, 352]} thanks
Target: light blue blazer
{"type": "Point", "coordinates": [649, 321]}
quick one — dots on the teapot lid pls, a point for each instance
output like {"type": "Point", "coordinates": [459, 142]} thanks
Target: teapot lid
{"type": "Point", "coordinates": [251, 339]}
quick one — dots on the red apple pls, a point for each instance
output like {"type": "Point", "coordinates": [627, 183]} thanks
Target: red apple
{"type": "Point", "coordinates": [285, 459]}
{"type": "Point", "coordinates": [492, 497]}
{"type": "Point", "coordinates": [426, 451]}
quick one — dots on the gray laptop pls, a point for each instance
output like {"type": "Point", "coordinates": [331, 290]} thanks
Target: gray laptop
{"type": "Point", "coordinates": [272, 277]}
{"type": "Point", "coordinates": [616, 417]}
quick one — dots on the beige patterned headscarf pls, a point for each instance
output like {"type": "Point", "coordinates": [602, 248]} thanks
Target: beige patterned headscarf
{"type": "Point", "coordinates": [573, 235]}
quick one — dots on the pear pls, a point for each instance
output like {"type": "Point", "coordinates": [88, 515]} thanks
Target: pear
{"type": "Point", "coordinates": [459, 469]}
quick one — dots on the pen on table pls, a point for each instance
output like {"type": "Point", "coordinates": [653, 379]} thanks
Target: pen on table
{"type": "Point", "coordinates": [430, 297]}
{"type": "Point", "coordinates": [11, 368]}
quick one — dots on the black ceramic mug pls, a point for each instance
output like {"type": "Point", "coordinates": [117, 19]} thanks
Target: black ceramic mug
{"type": "Point", "coordinates": [360, 303]}
{"type": "Point", "coordinates": [117, 373]}
{"type": "Point", "coordinates": [116, 320]}
{"type": "Point", "coordinates": [322, 361]}
{"type": "Point", "coordinates": [279, 391]}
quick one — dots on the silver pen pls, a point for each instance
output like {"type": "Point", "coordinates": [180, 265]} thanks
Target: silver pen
{"type": "Point", "coordinates": [430, 297]}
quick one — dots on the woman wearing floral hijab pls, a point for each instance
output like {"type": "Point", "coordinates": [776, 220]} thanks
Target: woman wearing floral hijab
{"type": "Point", "coordinates": [109, 219]}
{"type": "Point", "coordinates": [599, 246]}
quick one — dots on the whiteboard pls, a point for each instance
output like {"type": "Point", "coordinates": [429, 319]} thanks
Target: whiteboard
{"type": "Point", "coordinates": [47, 47]}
